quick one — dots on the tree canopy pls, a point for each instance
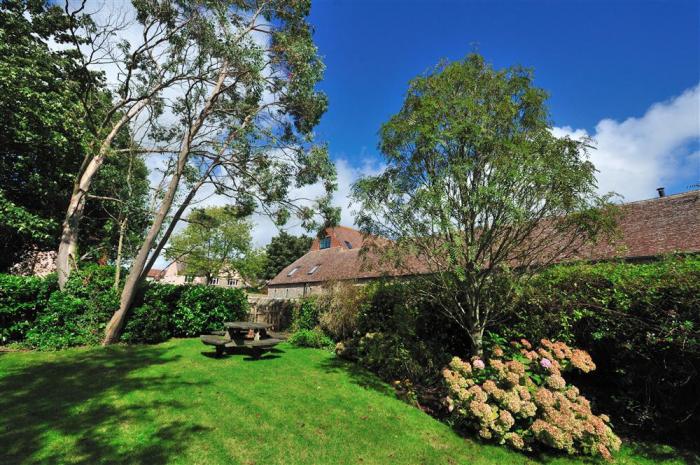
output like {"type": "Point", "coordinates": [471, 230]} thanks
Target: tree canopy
{"type": "Point", "coordinates": [284, 249]}
{"type": "Point", "coordinates": [44, 139]}
{"type": "Point", "coordinates": [477, 191]}
{"type": "Point", "coordinates": [215, 241]}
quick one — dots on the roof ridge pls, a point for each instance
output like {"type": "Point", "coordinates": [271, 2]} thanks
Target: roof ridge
{"type": "Point", "coordinates": [665, 197]}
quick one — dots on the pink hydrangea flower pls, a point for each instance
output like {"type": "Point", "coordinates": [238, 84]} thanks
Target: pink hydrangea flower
{"type": "Point", "coordinates": [478, 364]}
{"type": "Point", "coordinates": [546, 363]}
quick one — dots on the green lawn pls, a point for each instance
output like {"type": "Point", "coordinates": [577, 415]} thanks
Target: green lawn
{"type": "Point", "coordinates": [169, 403]}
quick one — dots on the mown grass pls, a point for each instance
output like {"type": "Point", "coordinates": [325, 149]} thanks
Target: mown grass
{"type": "Point", "coordinates": [173, 404]}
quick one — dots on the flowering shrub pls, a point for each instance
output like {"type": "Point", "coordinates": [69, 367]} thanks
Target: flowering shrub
{"type": "Point", "coordinates": [521, 399]}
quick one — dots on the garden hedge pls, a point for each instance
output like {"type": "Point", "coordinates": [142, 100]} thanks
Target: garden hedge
{"type": "Point", "coordinates": [35, 314]}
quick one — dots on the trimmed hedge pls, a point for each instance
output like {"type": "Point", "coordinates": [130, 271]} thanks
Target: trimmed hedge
{"type": "Point", "coordinates": [167, 311]}
{"type": "Point", "coordinates": [21, 299]}
{"type": "Point", "coordinates": [34, 313]}
{"type": "Point", "coordinates": [640, 322]}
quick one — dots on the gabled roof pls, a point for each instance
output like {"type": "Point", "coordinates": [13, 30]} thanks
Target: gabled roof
{"type": "Point", "coordinates": [647, 228]}
{"type": "Point", "coordinates": [155, 273]}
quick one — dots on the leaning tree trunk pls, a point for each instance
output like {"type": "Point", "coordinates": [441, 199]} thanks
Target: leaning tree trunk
{"type": "Point", "coordinates": [135, 276]}
{"type": "Point", "coordinates": [66, 258]}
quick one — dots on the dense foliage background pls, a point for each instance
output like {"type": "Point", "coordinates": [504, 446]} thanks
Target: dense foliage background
{"type": "Point", "coordinates": [35, 314]}
{"type": "Point", "coordinates": [639, 321]}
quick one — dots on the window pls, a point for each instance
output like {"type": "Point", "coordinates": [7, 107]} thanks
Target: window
{"type": "Point", "coordinates": [313, 269]}
{"type": "Point", "coordinates": [232, 282]}
{"type": "Point", "coordinates": [214, 281]}
{"type": "Point", "coordinates": [293, 271]}
{"type": "Point", "coordinates": [348, 245]}
{"type": "Point", "coordinates": [189, 278]}
{"type": "Point", "coordinates": [325, 243]}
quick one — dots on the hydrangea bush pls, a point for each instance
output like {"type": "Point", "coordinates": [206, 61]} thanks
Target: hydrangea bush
{"type": "Point", "coordinates": [519, 397]}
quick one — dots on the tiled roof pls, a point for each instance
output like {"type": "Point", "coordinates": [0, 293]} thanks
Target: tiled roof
{"type": "Point", "coordinates": [155, 273]}
{"type": "Point", "coordinates": [647, 228]}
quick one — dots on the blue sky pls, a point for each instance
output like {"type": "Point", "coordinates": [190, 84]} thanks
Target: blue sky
{"type": "Point", "coordinates": [616, 70]}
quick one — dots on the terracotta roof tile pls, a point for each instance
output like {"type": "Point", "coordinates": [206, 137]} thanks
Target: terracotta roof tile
{"type": "Point", "coordinates": [647, 228]}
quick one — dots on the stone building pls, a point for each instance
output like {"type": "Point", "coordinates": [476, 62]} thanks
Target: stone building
{"type": "Point", "coordinates": [647, 229]}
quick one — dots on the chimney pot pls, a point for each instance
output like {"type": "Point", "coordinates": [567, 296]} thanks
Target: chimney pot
{"type": "Point", "coordinates": [661, 191]}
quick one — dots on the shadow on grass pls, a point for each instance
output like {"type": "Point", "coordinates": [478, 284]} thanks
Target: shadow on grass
{"type": "Point", "coordinates": [358, 375]}
{"type": "Point", "coordinates": [245, 352]}
{"type": "Point", "coordinates": [662, 453]}
{"type": "Point", "coordinates": [70, 410]}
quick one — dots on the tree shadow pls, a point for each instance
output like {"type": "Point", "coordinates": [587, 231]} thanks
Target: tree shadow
{"type": "Point", "coordinates": [359, 375]}
{"type": "Point", "coordinates": [76, 401]}
{"type": "Point", "coordinates": [245, 352]}
{"type": "Point", "coordinates": [660, 453]}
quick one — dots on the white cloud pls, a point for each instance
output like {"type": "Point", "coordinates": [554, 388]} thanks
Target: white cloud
{"type": "Point", "coordinates": [637, 155]}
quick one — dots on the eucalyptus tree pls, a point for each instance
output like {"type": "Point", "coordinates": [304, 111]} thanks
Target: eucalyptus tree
{"type": "Point", "coordinates": [139, 59]}
{"type": "Point", "coordinates": [477, 192]}
{"type": "Point", "coordinates": [242, 128]}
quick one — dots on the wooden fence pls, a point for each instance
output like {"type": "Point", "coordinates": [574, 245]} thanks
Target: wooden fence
{"type": "Point", "coordinates": [276, 312]}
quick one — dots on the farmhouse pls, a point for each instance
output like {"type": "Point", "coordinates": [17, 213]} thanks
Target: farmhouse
{"type": "Point", "coordinates": [175, 274]}
{"type": "Point", "coordinates": [647, 229]}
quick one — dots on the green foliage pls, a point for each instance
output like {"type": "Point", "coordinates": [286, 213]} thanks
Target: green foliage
{"type": "Point", "coordinates": [314, 338]}
{"type": "Point", "coordinates": [283, 250]}
{"type": "Point", "coordinates": [45, 137]}
{"type": "Point", "coordinates": [202, 309]}
{"type": "Point", "coordinates": [21, 299]}
{"type": "Point", "coordinates": [472, 171]}
{"type": "Point", "coordinates": [215, 240]}
{"type": "Point", "coordinates": [305, 315]}
{"type": "Point", "coordinates": [35, 313]}
{"type": "Point", "coordinates": [399, 335]}
{"type": "Point", "coordinates": [639, 321]}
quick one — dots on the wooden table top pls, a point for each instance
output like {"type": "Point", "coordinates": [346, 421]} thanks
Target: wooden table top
{"type": "Point", "coordinates": [245, 325]}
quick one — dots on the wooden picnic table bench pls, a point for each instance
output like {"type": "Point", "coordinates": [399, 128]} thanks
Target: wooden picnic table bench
{"type": "Point", "coordinates": [238, 335]}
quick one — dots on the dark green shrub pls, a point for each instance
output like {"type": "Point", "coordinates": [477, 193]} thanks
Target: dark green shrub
{"type": "Point", "coordinates": [314, 338]}
{"type": "Point", "coordinates": [401, 336]}
{"type": "Point", "coordinates": [148, 324]}
{"type": "Point", "coordinates": [640, 322]}
{"type": "Point", "coordinates": [32, 311]}
{"type": "Point", "coordinates": [60, 324]}
{"type": "Point", "coordinates": [21, 299]}
{"type": "Point", "coordinates": [305, 315]}
{"type": "Point", "coordinates": [202, 309]}
{"type": "Point", "coordinates": [164, 311]}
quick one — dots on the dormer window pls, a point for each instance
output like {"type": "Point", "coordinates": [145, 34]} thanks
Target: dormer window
{"type": "Point", "coordinates": [294, 270]}
{"type": "Point", "coordinates": [325, 243]}
{"type": "Point", "coordinates": [313, 269]}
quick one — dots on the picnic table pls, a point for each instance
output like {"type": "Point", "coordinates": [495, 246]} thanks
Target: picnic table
{"type": "Point", "coordinates": [242, 334]}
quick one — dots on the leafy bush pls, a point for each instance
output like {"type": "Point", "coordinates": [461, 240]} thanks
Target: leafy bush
{"type": "Point", "coordinates": [522, 399]}
{"type": "Point", "coordinates": [202, 309]}
{"type": "Point", "coordinates": [61, 324]}
{"type": "Point", "coordinates": [305, 315]}
{"type": "Point", "coordinates": [641, 322]}
{"type": "Point", "coordinates": [340, 304]}
{"type": "Point", "coordinates": [34, 312]}
{"type": "Point", "coordinates": [314, 338]}
{"type": "Point", "coordinates": [21, 299]}
{"type": "Point", "coordinates": [400, 336]}
{"type": "Point", "coordinates": [149, 324]}
{"type": "Point", "coordinates": [167, 311]}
